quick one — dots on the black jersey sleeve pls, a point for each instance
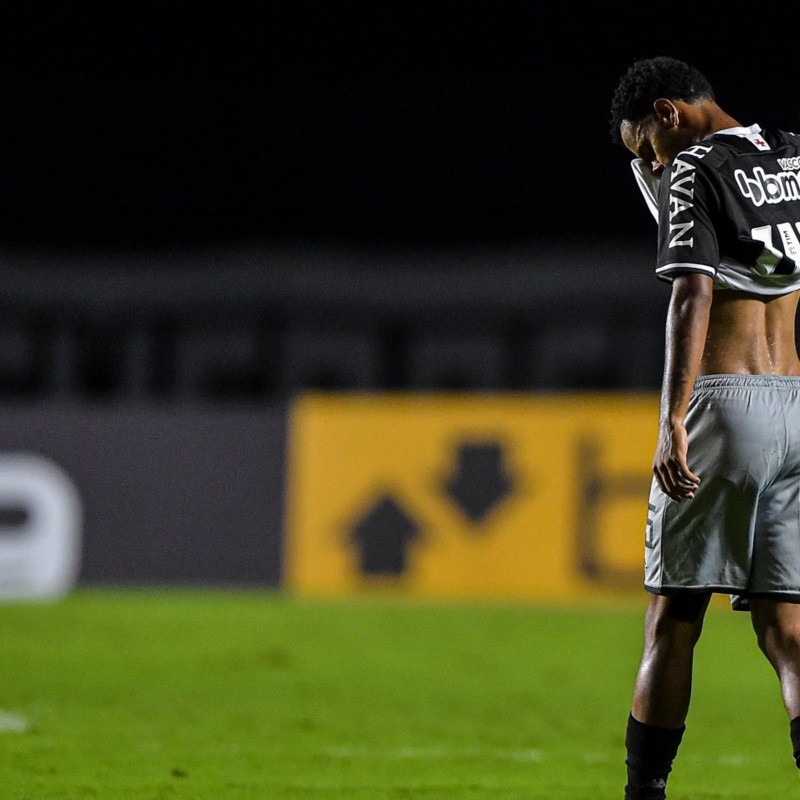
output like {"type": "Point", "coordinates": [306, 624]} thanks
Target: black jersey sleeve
{"type": "Point", "coordinates": [688, 204]}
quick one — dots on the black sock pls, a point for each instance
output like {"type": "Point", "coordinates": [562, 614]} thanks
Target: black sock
{"type": "Point", "coordinates": [651, 751]}
{"type": "Point", "coordinates": [794, 732]}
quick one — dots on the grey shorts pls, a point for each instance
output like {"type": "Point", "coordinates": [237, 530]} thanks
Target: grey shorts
{"type": "Point", "coordinates": [740, 534]}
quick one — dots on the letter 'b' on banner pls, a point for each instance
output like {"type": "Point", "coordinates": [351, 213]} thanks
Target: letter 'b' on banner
{"type": "Point", "coordinates": [40, 528]}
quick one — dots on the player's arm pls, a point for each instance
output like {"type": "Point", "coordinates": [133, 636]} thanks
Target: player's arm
{"type": "Point", "coordinates": [686, 328]}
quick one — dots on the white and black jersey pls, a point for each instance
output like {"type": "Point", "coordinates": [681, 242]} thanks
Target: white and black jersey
{"type": "Point", "coordinates": [729, 207]}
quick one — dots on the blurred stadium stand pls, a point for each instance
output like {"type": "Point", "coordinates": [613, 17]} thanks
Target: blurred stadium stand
{"type": "Point", "coordinates": [256, 323]}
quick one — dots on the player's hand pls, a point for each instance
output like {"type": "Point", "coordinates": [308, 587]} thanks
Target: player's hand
{"type": "Point", "coordinates": [669, 465]}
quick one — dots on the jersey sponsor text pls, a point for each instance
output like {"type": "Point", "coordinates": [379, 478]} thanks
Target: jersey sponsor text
{"type": "Point", "coordinates": [681, 197]}
{"type": "Point", "coordinates": [764, 187]}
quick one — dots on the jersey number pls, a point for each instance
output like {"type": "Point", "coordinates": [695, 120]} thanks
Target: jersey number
{"type": "Point", "coordinates": [771, 256]}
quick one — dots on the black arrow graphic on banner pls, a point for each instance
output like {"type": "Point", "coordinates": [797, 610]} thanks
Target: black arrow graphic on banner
{"type": "Point", "coordinates": [480, 481]}
{"type": "Point", "coordinates": [383, 536]}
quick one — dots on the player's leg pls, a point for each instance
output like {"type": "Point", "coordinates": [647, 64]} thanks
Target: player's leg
{"type": "Point", "coordinates": [777, 626]}
{"type": "Point", "coordinates": [662, 692]}
{"type": "Point", "coordinates": [663, 686]}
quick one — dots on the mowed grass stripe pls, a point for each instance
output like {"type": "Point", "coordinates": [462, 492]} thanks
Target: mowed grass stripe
{"type": "Point", "coordinates": [246, 694]}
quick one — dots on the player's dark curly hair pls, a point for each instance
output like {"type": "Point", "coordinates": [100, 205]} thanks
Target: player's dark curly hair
{"type": "Point", "coordinates": [650, 78]}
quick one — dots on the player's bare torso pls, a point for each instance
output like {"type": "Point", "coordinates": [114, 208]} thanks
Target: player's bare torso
{"type": "Point", "coordinates": [751, 335]}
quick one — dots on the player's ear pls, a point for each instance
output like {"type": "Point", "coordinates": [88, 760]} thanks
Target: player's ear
{"type": "Point", "coordinates": [667, 113]}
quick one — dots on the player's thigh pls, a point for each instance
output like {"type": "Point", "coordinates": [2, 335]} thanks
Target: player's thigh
{"type": "Point", "coordinates": [676, 616]}
{"type": "Point", "coordinates": [776, 547]}
{"type": "Point", "coordinates": [776, 623]}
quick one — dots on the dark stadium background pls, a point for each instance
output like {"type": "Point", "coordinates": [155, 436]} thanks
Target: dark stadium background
{"type": "Point", "coordinates": [363, 123]}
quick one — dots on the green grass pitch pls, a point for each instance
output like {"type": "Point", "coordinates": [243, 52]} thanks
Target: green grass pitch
{"type": "Point", "coordinates": [193, 695]}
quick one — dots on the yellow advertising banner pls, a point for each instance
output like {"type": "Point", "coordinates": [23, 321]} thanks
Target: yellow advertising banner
{"type": "Point", "coordinates": [508, 497]}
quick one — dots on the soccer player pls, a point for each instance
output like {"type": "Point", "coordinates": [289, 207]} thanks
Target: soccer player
{"type": "Point", "coordinates": [724, 507]}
